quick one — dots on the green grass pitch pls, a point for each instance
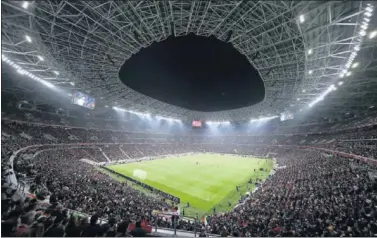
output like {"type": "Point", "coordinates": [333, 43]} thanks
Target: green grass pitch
{"type": "Point", "coordinates": [210, 183]}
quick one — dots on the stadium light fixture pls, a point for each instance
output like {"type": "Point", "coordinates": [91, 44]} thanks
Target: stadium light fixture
{"type": "Point", "coordinates": [48, 84]}
{"type": "Point", "coordinates": [310, 72]}
{"type": "Point", "coordinates": [139, 113]}
{"type": "Point", "coordinates": [263, 119]}
{"type": "Point", "coordinates": [25, 4]}
{"type": "Point", "coordinates": [21, 71]}
{"type": "Point", "coordinates": [368, 14]}
{"type": "Point", "coordinates": [40, 58]}
{"type": "Point", "coordinates": [348, 74]}
{"type": "Point", "coordinates": [340, 83]}
{"type": "Point", "coordinates": [72, 83]}
{"type": "Point", "coordinates": [28, 38]}
{"type": "Point", "coordinates": [304, 91]}
{"type": "Point", "coordinates": [168, 119]}
{"type": "Point", "coordinates": [362, 33]}
{"type": "Point", "coordinates": [356, 48]}
{"type": "Point", "coordinates": [56, 72]}
{"type": "Point", "coordinates": [218, 122]}
{"type": "Point", "coordinates": [372, 34]}
{"type": "Point", "coordinates": [371, 107]}
{"type": "Point", "coordinates": [298, 99]}
{"type": "Point", "coordinates": [119, 109]}
{"type": "Point", "coordinates": [310, 51]}
{"type": "Point", "coordinates": [355, 65]}
{"type": "Point", "coordinates": [302, 18]}
{"type": "Point", "coordinates": [323, 95]}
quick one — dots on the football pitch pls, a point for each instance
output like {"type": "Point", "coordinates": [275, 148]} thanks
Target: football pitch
{"type": "Point", "coordinates": [204, 180]}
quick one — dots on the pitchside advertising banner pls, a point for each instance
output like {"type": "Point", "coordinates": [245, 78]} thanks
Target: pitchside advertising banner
{"type": "Point", "coordinates": [167, 214]}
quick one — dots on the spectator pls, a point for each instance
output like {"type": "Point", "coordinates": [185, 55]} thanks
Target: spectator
{"type": "Point", "coordinates": [56, 229]}
{"type": "Point", "coordinates": [73, 229]}
{"type": "Point", "coordinates": [138, 231]}
{"type": "Point", "coordinates": [93, 229]}
{"type": "Point", "coordinates": [313, 195]}
{"type": "Point", "coordinates": [109, 229]}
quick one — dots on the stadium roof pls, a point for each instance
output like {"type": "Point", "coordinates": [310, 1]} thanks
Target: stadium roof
{"type": "Point", "coordinates": [300, 48]}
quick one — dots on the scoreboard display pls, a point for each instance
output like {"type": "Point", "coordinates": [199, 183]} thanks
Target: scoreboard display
{"type": "Point", "coordinates": [83, 100]}
{"type": "Point", "coordinates": [196, 123]}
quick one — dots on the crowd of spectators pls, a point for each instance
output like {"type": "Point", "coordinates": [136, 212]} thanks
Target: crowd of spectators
{"type": "Point", "coordinates": [132, 123]}
{"type": "Point", "coordinates": [30, 218]}
{"type": "Point", "coordinates": [359, 141]}
{"type": "Point", "coordinates": [315, 194]}
{"type": "Point", "coordinates": [63, 183]}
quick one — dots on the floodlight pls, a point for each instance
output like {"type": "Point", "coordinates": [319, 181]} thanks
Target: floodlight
{"type": "Point", "coordinates": [368, 14]}
{"type": "Point", "coordinates": [302, 18]}
{"type": "Point", "coordinates": [372, 34]}
{"type": "Point", "coordinates": [355, 65]}
{"type": "Point", "coordinates": [28, 39]}
{"type": "Point", "coordinates": [25, 4]}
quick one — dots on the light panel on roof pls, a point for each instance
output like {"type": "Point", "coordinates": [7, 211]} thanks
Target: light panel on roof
{"type": "Point", "coordinates": [323, 95]}
{"type": "Point", "coordinates": [22, 71]}
{"type": "Point", "coordinates": [355, 65]}
{"type": "Point", "coordinates": [28, 38]}
{"type": "Point", "coordinates": [302, 18]}
{"type": "Point", "coordinates": [372, 34]}
{"type": "Point", "coordinates": [25, 4]}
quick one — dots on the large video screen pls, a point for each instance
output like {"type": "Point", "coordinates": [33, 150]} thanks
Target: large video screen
{"type": "Point", "coordinates": [83, 100]}
{"type": "Point", "coordinates": [196, 123]}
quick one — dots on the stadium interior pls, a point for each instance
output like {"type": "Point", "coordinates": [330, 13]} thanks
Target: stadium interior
{"type": "Point", "coordinates": [188, 118]}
